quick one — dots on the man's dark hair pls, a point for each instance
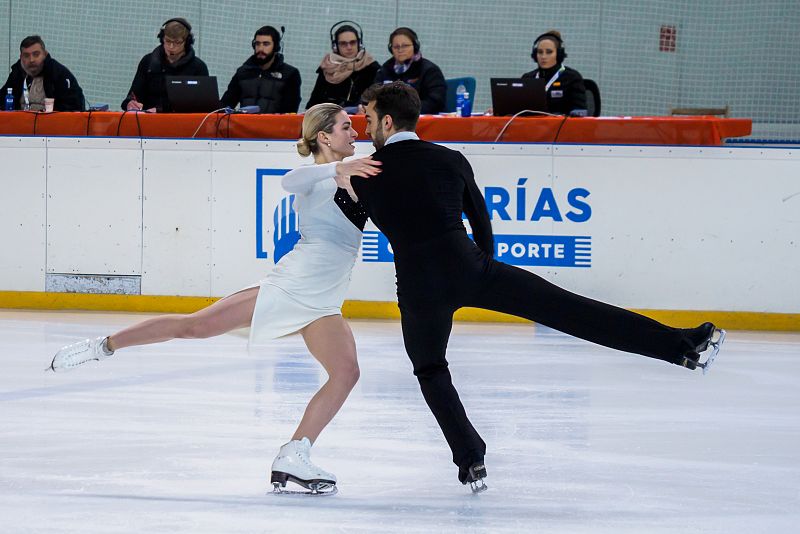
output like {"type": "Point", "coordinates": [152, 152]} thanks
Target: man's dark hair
{"type": "Point", "coordinates": [272, 32]}
{"type": "Point", "coordinates": [398, 100]}
{"type": "Point", "coordinates": [30, 41]}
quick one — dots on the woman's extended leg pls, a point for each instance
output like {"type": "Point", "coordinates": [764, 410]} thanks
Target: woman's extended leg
{"type": "Point", "coordinates": [234, 311]}
{"type": "Point", "coordinates": [331, 342]}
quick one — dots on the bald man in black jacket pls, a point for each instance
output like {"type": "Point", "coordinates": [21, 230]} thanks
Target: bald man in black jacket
{"type": "Point", "coordinates": [417, 202]}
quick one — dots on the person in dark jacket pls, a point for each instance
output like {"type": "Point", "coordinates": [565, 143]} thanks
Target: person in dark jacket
{"type": "Point", "coordinates": [417, 201]}
{"type": "Point", "coordinates": [264, 80]}
{"type": "Point", "coordinates": [37, 76]}
{"type": "Point", "coordinates": [173, 57]}
{"type": "Point", "coordinates": [346, 71]}
{"type": "Point", "coordinates": [407, 65]}
{"type": "Point", "coordinates": [565, 89]}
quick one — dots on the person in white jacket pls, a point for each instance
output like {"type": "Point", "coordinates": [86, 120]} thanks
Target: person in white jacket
{"type": "Point", "coordinates": [303, 293]}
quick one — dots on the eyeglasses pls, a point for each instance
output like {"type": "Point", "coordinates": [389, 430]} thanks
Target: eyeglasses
{"type": "Point", "coordinates": [347, 43]}
{"type": "Point", "coordinates": [401, 46]}
{"type": "Point", "coordinates": [170, 42]}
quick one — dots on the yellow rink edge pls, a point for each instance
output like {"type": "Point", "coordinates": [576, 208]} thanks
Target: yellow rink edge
{"type": "Point", "coordinates": [355, 309]}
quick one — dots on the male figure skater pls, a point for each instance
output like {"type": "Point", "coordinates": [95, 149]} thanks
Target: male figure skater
{"type": "Point", "coordinates": [417, 202]}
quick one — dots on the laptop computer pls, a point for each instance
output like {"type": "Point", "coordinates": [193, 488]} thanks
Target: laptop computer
{"type": "Point", "coordinates": [512, 95]}
{"type": "Point", "coordinates": [192, 94]}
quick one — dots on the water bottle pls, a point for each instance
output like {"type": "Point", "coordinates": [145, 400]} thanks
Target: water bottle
{"type": "Point", "coordinates": [10, 100]}
{"type": "Point", "coordinates": [460, 90]}
{"type": "Point", "coordinates": [466, 106]}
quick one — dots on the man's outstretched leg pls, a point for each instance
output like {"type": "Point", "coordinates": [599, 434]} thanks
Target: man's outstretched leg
{"type": "Point", "coordinates": [512, 290]}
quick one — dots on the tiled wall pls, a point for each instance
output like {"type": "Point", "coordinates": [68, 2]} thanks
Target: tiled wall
{"type": "Point", "coordinates": [729, 52]}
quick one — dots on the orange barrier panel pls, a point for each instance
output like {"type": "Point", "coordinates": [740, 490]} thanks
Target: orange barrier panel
{"type": "Point", "coordinates": [583, 130]}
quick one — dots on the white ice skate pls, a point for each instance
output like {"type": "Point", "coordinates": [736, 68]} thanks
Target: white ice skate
{"type": "Point", "coordinates": [75, 355]}
{"type": "Point", "coordinates": [293, 463]}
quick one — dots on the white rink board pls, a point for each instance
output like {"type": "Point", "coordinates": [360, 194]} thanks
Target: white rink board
{"type": "Point", "coordinates": [94, 206]}
{"type": "Point", "coordinates": [22, 213]}
{"type": "Point", "coordinates": [722, 236]}
{"type": "Point", "coordinates": [684, 228]}
{"type": "Point", "coordinates": [176, 217]}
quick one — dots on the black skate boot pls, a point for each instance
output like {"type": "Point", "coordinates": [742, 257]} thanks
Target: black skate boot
{"type": "Point", "coordinates": [708, 339]}
{"type": "Point", "coordinates": [474, 475]}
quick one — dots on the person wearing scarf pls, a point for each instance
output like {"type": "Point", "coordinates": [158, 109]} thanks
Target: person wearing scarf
{"type": "Point", "coordinates": [407, 65]}
{"type": "Point", "coordinates": [344, 73]}
{"type": "Point", "coordinates": [565, 88]}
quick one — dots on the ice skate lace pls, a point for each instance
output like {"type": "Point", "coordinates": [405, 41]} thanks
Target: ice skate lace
{"type": "Point", "coordinates": [305, 458]}
{"type": "Point", "coordinates": [79, 354]}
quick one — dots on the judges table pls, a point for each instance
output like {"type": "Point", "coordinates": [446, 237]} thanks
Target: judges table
{"type": "Point", "coordinates": [584, 130]}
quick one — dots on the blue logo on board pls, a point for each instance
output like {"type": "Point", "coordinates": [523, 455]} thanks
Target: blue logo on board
{"type": "Point", "coordinates": [285, 221]}
{"type": "Point", "coordinates": [517, 204]}
{"type": "Point", "coordinates": [521, 249]}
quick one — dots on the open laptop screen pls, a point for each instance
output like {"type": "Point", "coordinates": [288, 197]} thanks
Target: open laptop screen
{"type": "Point", "coordinates": [512, 95]}
{"type": "Point", "coordinates": [192, 94]}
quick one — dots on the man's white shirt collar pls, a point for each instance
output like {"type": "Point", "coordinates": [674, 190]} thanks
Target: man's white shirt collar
{"type": "Point", "coordinates": [401, 136]}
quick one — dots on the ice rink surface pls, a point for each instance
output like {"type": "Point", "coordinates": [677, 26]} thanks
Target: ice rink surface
{"type": "Point", "coordinates": [179, 437]}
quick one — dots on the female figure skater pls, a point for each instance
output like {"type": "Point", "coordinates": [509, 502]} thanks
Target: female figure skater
{"type": "Point", "coordinates": [303, 293]}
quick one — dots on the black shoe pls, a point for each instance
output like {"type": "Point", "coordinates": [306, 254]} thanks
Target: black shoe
{"type": "Point", "coordinates": [704, 335]}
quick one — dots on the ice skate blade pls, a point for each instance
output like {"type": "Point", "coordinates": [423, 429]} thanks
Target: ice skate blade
{"type": "Point", "coordinates": [478, 486]}
{"type": "Point", "coordinates": [717, 338]}
{"type": "Point", "coordinates": [328, 490]}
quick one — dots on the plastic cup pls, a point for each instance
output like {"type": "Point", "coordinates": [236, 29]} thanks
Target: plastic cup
{"type": "Point", "coordinates": [48, 104]}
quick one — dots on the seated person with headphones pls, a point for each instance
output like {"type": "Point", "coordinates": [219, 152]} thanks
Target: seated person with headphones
{"type": "Point", "coordinates": [565, 89]}
{"type": "Point", "coordinates": [346, 71]}
{"type": "Point", "coordinates": [264, 80]}
{"type": "Point", "coordinates": [173, 57]}
{"type": "Point", "coordinates": [407, 65]}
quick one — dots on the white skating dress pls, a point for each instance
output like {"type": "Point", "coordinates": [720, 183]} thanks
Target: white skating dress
{"type": "Point", "coordinates": [311, 280]}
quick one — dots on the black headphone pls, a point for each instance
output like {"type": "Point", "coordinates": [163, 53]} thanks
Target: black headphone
{"type": "Point", "coordinates": [405, 30]}
{"type": "Point", "coordinates": [272, 32]}
{"type": "Point", "coordinates": [342, 27]}
{"type": "Point", "coordinates": [561, 54]}
{"type": "Point", "coordinates": [183, 22]}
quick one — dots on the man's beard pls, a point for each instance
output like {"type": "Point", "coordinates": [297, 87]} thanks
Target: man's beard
{"type": "Point", "coordinates": [264, 60]}
{"type": "Point", "coordinates": [378, 140]}
{"type": "Point", "coordinates": [34, 71]}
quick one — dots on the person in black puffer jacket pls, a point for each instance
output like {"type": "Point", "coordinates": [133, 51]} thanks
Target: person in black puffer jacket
{"type": "Point", "coordinates": [43, 77]}
{"type": "Point", "coordinates": [407, 65]}
{"type": "Point", "coordinates": [173, 57]}
{"type": "Point", "coordinates": [264, 80]}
